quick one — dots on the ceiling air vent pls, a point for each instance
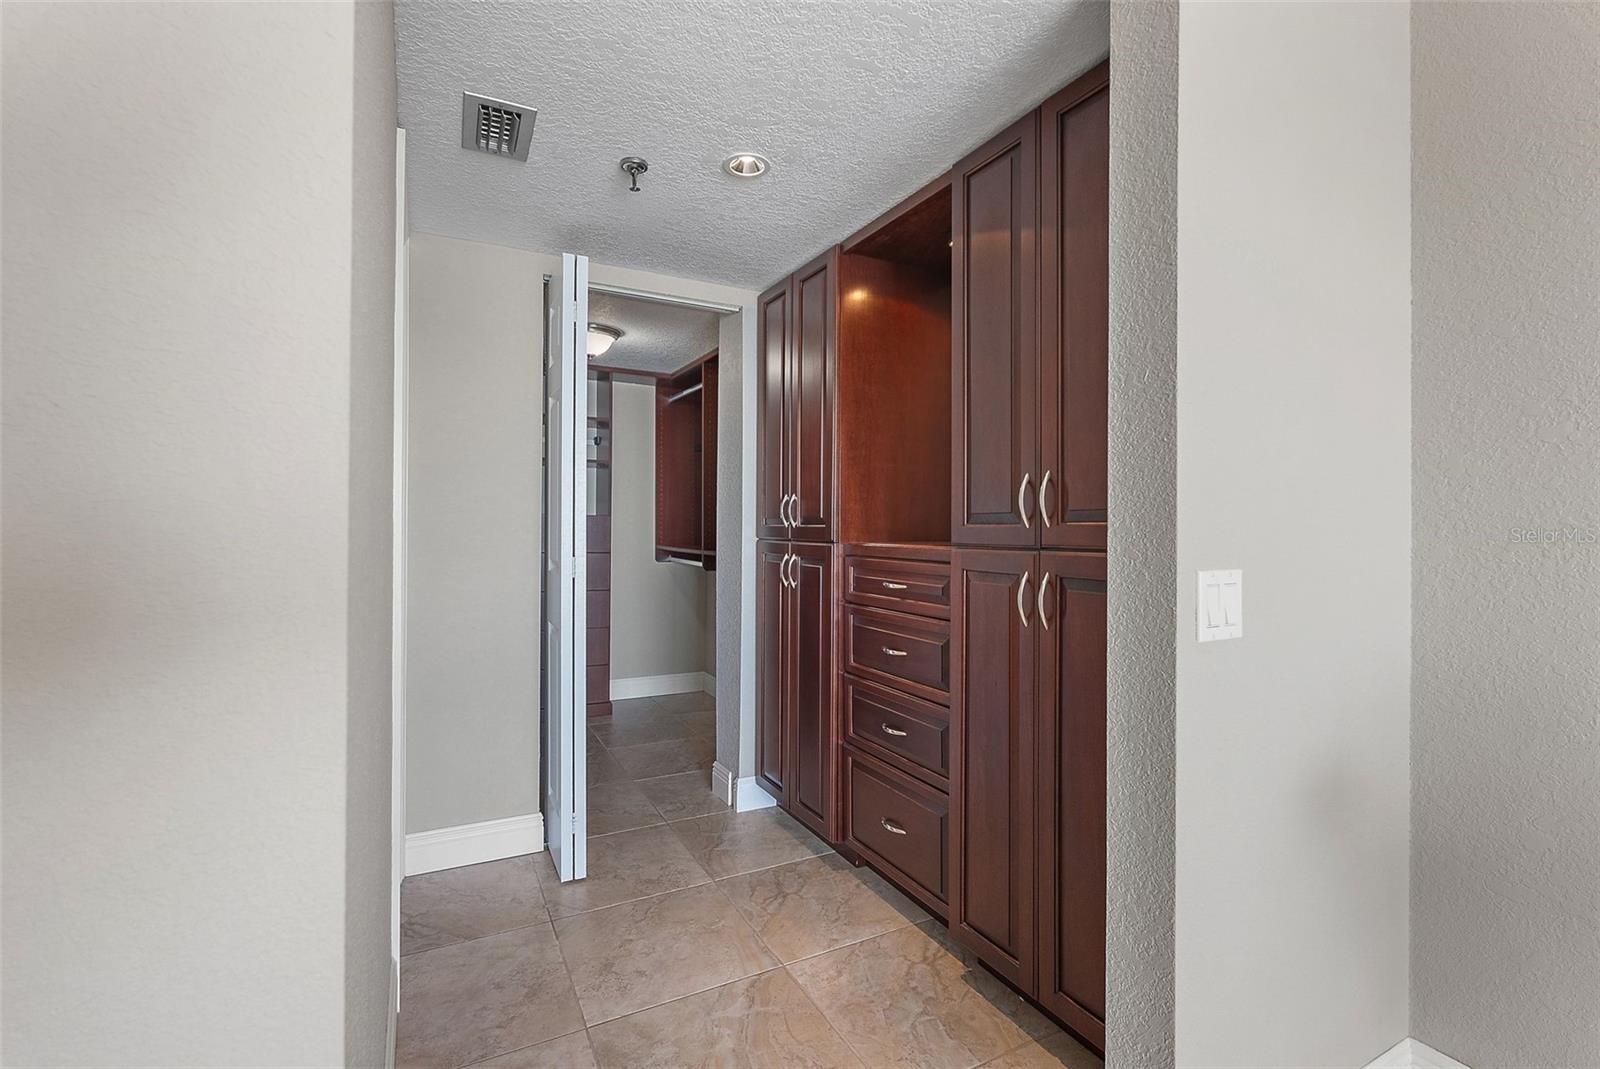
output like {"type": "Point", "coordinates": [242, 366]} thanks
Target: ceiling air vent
{"type": "Point", "coordinates": [498, 127]}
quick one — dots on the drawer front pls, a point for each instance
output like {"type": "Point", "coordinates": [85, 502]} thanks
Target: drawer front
{"type": "Point", "coordinates": [899, 824]}
{"type": "Point", "coordinates": [914, 586]}
{"type": "Point", "coordinates": [906, 651]}
{"type": "Point", "coordinates": [912, 734]}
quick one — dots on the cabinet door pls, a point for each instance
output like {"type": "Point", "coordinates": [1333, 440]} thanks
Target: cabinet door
{"type": "Point", "coordinates": [812, 371]}
{"type": "Point", "coordinates": [993, 791]}
{"type": "Point", "coordinates": [1072, 790]}
{"type": "Point", "coordinates": [994, 341]}
{"type": "Point", "coordinates": [772, 654]}
{"type": "Point", "coordinates": [1074, 312]}
{"type": "Point", "coordinates": [813, 768]}
{"type": "Point", "coordinates": [772, 376]}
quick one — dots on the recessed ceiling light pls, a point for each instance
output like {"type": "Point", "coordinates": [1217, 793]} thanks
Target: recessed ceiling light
{"type": "Point", "coordinates": [601, 338]}
{"type": "Point", "coordinates": [746, 165]}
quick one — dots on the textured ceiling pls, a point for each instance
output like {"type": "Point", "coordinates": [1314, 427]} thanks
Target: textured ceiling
{"type": "Point", "coordinates": [655, 336]}
{"type": "Point", "coordinates": [856, 103]}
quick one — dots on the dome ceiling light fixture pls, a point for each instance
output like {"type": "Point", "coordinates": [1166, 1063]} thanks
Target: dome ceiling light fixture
{"type": "Point", "coordinates": [601, 338]}
{"type": "Point", "coordinates": [746, 165]}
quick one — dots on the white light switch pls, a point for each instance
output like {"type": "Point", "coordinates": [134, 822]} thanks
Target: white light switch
{"type": "Point", "coordinates": [1219, 605]}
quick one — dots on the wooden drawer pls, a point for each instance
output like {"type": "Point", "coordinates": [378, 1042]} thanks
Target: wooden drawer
{"type": "Point", "coordinates": [899, 825]}
{"type": "Point", "coordinates": [911, 734]}
{"type": "Point", "coordinates": [914, 586]}
{"type": "Point", "coordinates": [909, 652]}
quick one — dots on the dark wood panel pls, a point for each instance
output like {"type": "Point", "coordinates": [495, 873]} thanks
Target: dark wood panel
{"type": "Point", "coordinates": [810, 398]}
{"type": "Point", "coordinates": [772, 376]}
{"type": "Point", "coordinates": [915, 232]}
{"type": "Point", "coordinates": [878, 799]}
{"type": "Point", "coordinates": [708, 457]}
{"type": "Point", "coordinates": [679, 512]}
{"type": "Point", "coordinates": [909, 733]}
{"type": "Point", "coordinates": [894, 397]}
{"type": "Point", "coordinates": [598, 681]}
{"type": "Point", "coordinates": [1074, 310]}
{"type": "Point", "coordinates": [599, 647]}
{"type": "Point", "coordinates": [599, 533]}
{"type": "Point", "coordinates": [911, 653]}
{"type": "Point", "coordinates": [993, 791]}
{"type": "Point", "coordinates": [598, 571]}
{"type": "Point", "coordinates": [920, 587]}
{"type": "Point", "coordinates": [1072, 791]}
{"type": "Point", "coordinates": [772, 655]}
{"type": "Point", "coordinates": [994, 343]}
{"type": "Point", "coordinates": [812, 783]}
{"type": "Point", "coordinates": [599, 608]}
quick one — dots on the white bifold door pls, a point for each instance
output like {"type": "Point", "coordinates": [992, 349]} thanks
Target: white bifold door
{"type": "Point", "coordinates": [566, 548]}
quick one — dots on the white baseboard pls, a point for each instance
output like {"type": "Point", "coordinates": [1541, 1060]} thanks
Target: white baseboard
{"type": "Point", "coordinates": [742, 795]}
{"type": "Point", "coordinates": [1413, 1054]}
{"type": "Point", "coordinates": [751, 795]}
{"type": "Point", "coordinates": [652, 686]}
{"type": "Point", "coordinates": [471, 844]}
{"type": "Point", "coordinates": [722, 784]}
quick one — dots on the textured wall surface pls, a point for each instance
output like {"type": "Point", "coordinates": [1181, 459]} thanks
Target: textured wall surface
{"type": "Point", "coordinates": [736, 546]}
{"type": "Point", "coordinates": [658, 617]}
{"type": "Point", "coordinates": [195, 529]}
{"type": "Point", "coordinates": [1294, 459]}
{"type": "Point", "coordinates": [475, 509]}
{"type": "Point", "coordinates": [1141, 653]}
{"type": "Point", "coordinates": [889, 93]}
{"type": "Point", "coordinates": [369, 835]}
{"type": "Point", "coordinates": [1506, 572]}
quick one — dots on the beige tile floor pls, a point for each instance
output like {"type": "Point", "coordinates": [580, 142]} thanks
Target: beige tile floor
{"type": "Point", "coordinates": [701, 937]}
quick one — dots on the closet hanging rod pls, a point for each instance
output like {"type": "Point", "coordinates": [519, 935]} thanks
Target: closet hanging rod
{"type": "Point", "coordinates": [685, 392]}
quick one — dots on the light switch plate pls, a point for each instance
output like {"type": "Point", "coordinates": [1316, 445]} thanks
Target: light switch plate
{"type": "Point", "coordinates": [1219, 605]}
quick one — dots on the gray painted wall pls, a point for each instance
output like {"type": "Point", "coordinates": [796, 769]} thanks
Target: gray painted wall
{"type": "Point", "coordinates": [658, 619]}
{"type": "Point", "coordinates": [1142, 536]}
{"type": "Point", "coordinates": [477, 389]}
{"type": "Point", "coordinates": [1505, 953]}
{"type": "Point", "coordinates": [197, 335]}
{"type": "Point", "coordinates": [736, 544]}
{"type": "Point", "coordinates": [1294, 456]}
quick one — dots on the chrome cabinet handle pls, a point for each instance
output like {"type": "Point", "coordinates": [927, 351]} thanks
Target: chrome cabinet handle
{"type": "Point", "coordinates": [794, 510]}
{"type": "Point", "coordinates": [893, 586]}
{"type": "Point", "coordinates": [1022, 599]}
{"type": "Point", "coordinates": [891, 826]}
{"type": "Point", "coordinates": [794, 571]}
{"type": "Point", "coordinates": [1022, 500]}
{"type": "Point", "coordinates": [891, 651]}
{"type": "Point", "coordinates": [1044, 585]}
{"type": "Point", "coordinates": [1044, 507]}
{"type": "Point", "coordinates": [896, 732]}
{"type": "Point", "coordinates": [783, 571]}
{"type": "Point", "coordinates": [783, 511]}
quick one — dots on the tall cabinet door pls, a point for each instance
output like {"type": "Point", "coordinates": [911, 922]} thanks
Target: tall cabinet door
{"type": "Point", "coordinates": [1072, 790]}
{"type": "Point", "coordinates": [994, 341]}
{"type": "Point", "coordinates": [1074, 308]}
{"type": "Point", "coordinates": [772, 377]}
{"type": "Point", "coordinates": [773, 626]}
{"type": "Point", "coordinates": [812, 371]}
{"type": "Point", "coordinates": [993, 791]}
{"type": "Point", "coordinates": [813, 779]}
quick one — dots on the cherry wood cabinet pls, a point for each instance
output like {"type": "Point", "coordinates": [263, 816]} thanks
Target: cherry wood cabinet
{"type": "Point", "coordinates": [772, 387]}
{"type": "Point", "coordinates": [1030, 328]}
{"type": "Point", "coordinates": [1072, 790]}
{"type": "Point", "coordinates": [1074, 309]}
{"type": "Point", "coordinates": [994, 339]}
{"type": "Point", "coordinates": [773, 625]}
{"type": "Point", "coordinates": [797, 734]}
{"type": "Point", "coordinates": [1029, 779]}
{"type": "Point", "coordinates": [796, 354]}
{"type": "Point", "coordinates": [993, 791]}
{"type": "Point", "coordinates": [686, 464]}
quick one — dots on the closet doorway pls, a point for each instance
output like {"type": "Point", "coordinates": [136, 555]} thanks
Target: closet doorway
{"type": "Point", "coordinates": [652, 502]}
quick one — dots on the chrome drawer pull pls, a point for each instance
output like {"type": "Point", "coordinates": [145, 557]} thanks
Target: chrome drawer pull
{"type": "Point", "coordinates": [1022, 501]}
{"type": "Point", "coordinates": [891, 827]}
{"type": "Point", "coordinates": [896, 732]}
{"type": "Point", "coordinates": [892, 652]}
{"type": "Point", "coordinates": [893, 586]}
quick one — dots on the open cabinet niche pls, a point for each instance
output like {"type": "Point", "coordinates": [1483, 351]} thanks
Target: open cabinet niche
{"type": "Point", "coordinates": [598, 659]}
{"type": "Point", "coordinates": [686, 464]}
